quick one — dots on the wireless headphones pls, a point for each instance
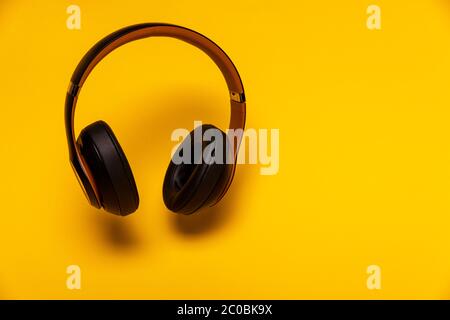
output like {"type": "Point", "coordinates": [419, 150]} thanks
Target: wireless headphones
{"type": "Point", "coordinates": [99, 161]}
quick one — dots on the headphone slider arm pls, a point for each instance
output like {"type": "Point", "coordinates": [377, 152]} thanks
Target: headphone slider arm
{"type": "Point", "coordinates": [73, 89]}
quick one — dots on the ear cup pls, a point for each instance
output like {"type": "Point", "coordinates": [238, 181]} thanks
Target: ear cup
{"type": "Point", "coordinates": [110, 168]}
{"type": "Point", "coordinates": [197, 181]}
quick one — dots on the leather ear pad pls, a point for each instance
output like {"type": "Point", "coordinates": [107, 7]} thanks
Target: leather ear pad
{"type": "Point", "coordinates": [110, 169]}
{"type": "Point", "coordinates": [189, 186]}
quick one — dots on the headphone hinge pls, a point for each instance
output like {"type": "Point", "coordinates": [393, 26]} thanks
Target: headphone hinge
{"type": "Point", "coordinates": [237, 96]}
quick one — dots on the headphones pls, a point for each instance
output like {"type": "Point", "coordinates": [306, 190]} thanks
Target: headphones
{"type": "Point", "coordinates": [99, 162]}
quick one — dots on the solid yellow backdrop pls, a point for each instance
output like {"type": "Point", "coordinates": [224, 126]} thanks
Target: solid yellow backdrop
{"type": "Point", "coordinates": [364, 151]}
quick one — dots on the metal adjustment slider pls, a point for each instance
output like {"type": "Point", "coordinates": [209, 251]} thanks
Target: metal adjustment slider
{"type": "Point", "coordinates": [237, 96]}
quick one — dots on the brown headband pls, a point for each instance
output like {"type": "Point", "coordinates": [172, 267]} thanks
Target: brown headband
{"type": "Point", "coordinates": [139, 31]}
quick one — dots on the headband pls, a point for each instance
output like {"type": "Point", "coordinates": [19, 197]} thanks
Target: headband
{"type": "Point", "coordinates": [145, 30]}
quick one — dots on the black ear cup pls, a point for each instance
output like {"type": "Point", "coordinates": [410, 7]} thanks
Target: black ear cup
{"type": "Point", "coordinates": [190, 186]}
{"type": "Point", "coordinates": [110, 169]}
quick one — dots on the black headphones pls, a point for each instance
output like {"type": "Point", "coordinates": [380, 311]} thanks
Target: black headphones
{"type": "Point", "coordinates": [100, 163]}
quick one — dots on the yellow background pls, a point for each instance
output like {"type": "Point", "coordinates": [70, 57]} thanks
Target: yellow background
{"type": "Point", "coordinates": [364, 151]}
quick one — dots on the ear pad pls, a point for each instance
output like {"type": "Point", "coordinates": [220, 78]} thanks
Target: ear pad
{"type": "Point", "coordinates": [199, 182]}
{"type": "Point", "coordinates": [110, 169]}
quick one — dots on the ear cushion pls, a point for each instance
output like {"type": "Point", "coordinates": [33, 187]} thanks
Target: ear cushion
{"type": "Point", "coordinates": [190, 186]}
{"type": "Point", "coordinates": [110, 168]}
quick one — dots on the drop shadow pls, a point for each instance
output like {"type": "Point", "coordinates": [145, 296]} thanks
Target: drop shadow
{"type": "Point", "coordinates": [204, 221]}
{"type": "Point", "coordinates": [213, 218]}
{"type": "Point", "coordinates": [117, 231]}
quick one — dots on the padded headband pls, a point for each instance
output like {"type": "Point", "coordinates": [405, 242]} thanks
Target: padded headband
{"type": "Point", "coordinates": [145, 30]}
